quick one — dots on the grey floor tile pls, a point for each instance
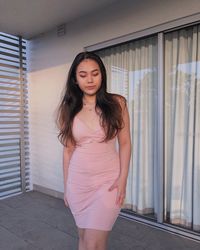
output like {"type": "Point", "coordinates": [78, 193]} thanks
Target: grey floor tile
{"type": "Point", "coordinates": [123, 242]}
{"type": "Point", "coordinates": [49, 238]}
{"type": "Point", "coordinates": [9, 241]}
{"type": "Point", "coordinates": [158, 239]}
{"type": "Point", "coordinates": [135, 230]}
{"type": "Point", "coordinates": [36, 221]}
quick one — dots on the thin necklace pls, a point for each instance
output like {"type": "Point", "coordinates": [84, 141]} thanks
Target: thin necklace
{"type": "Point", "coordinates": [88, 106]}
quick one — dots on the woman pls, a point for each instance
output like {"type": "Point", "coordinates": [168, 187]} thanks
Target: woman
{"type": "Point", "coordinates": [95, 173]}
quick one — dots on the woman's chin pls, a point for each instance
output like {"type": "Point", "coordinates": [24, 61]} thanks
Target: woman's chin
{"type": "Point", "coordinates": [90, 92]}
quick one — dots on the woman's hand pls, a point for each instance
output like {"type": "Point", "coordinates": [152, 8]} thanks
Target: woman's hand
{"type": "Point", "coordinates": [65, 201]}
{"type": "Point", "coordinates": [121, 190]}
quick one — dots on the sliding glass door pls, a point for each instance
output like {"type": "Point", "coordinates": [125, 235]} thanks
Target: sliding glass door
{"type": "Point", "coordinates": [164, 176]}
{"type": "Point", "coordinates": [182, 127]}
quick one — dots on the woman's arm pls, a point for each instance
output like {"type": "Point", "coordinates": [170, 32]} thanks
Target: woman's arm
{"type": "Point", "coordinates": [67, 153]}
{"type": "Point", "coordinates": [124, 139]}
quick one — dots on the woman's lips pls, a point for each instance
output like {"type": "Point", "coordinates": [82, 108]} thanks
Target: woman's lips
{"type": "Point", "coordinates": [90, 87]}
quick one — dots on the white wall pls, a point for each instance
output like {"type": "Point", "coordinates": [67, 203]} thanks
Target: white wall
{"type": "Point", "coordinates": [50, 58]}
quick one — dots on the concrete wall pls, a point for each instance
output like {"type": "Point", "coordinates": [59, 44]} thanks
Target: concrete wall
{"type": "Point", "coordinates": [50, 58]}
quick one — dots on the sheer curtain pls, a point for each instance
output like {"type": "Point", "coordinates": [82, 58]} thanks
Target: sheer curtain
{"type": "Point", "coordinates": [182, 127]}
{"type": "Point", "coordinates": [132, 72]}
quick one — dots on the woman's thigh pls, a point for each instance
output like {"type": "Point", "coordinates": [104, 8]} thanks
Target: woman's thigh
{"type": "Point", "coordinates": [81, 232]}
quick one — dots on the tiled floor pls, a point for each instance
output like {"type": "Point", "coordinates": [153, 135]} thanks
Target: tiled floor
{"type": "Point", "coordinates": [37, 221]}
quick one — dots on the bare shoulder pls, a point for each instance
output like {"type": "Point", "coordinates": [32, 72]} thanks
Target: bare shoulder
{"type": "Point", "coordinates": [121, 99]}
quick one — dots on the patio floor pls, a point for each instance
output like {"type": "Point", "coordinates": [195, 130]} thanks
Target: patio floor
{"type": "Point", "coordinates": [34, 220]}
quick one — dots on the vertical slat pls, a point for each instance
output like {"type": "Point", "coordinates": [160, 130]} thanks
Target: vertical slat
{"type": "Point", "coordinates": [22, 148]}
{"type": "Point", "coordinates": [160, 159]}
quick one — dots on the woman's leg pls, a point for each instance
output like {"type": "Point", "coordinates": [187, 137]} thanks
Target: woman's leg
{"type": "Point", "coordinates": [95, 239]}
{"type": "Point", "coordinates": [81, 237]}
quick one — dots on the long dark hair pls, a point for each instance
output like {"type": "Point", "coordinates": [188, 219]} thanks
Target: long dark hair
{"type": "Point", "coordinates": [71, 103]}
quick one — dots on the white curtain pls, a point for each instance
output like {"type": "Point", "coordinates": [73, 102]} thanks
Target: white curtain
{"type": "Point", "coordinates": [132, 72]}
{"type": "Point", "coordinates": [182, 127]}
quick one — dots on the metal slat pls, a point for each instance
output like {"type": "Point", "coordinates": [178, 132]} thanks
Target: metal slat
{"type": "Point", "coordinates": [12, 55]}
{"type": "Point", "coordinates": [8, 36]}
{"type": "Point", "coordinates": [9, 60]}
{"type": "Point", "coordinates": [10, 122]}
{"type": "Point", "coordinates": [12, 44]}
{"type": "Point", "coordinates": [10, 193]}
{"type": "Point", "coordinates": [9, 144]}
{"type": "Point", "coordinates": [9, 72]}
{"type": "Point", "coordinates": [16, 83]}
{"type": "Point", "coordinates": [4, 176]}
{"type": "Point", "coordinates": [10, 129]}
{"type": "Point", "coordinates": [9, 105]}
{"type": "Point", "coordinates": [9, 111]}
{"type": "Point", "coordinates": [4, 156]}
{"type": "Point", "coordinates": [14, 145]}
{"type": "Point", "coordinates": [11, 66]}
{"type": "Point", "coordinates": [10, 117]}
{"type": "Point", "coordinates": [9, 100]}
{"type": "Point", "coordinates": [9, 89]}
{"type": "Point", "coordinates": [10, 183]}
{"type": "Point", "coordinates": [9, 170]}
{"type": "Point", "coordinates": [9, 133]}
{"type": "Point", "coordinates": [9, 77]}
{"type": "Point", "coordinates": [8, 48]}
{"type": "Point", "coordinates": [11, 188]}
{"type": "Point", "coordinates": [9, 162]}
{"type": "Point", "coordinates": [8, 94]}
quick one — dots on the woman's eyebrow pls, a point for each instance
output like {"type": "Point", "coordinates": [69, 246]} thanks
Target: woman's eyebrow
{"type": "Point", "coordinates": [82, 71]}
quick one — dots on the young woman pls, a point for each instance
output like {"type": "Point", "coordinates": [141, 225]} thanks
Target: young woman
{"type": "Point", "coordinates": [95, 173]}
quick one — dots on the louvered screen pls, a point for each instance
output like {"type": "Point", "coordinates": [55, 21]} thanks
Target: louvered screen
{"type": "Point", "coordinates": [14, 145]}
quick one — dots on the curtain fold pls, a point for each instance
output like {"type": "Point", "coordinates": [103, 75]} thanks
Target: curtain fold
{"type": "Point", "coordinates": [132, 72]}
{"type": "Point", "coordinates": [182, 127]}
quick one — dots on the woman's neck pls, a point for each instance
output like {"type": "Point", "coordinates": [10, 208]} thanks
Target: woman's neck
{"type": "Point", "coordinates": [89, 99]}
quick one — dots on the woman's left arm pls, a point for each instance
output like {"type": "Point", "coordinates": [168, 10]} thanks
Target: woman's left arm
{"type": "Point", "coordinates": [124, 140]}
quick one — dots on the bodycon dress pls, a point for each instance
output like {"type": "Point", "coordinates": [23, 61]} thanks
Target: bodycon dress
{"type": "Point", "coordinates": [93, 168]}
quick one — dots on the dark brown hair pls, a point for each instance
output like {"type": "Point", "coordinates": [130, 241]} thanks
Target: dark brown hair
{"type": "Point", "coordinates": [71, 103]}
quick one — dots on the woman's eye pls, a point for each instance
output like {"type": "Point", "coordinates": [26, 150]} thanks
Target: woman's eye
{"type": "Point", "coordinates": [82, 76]}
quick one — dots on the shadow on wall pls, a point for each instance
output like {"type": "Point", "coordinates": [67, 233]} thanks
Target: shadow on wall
{"type": "Point", "coordinates": [117, 19]}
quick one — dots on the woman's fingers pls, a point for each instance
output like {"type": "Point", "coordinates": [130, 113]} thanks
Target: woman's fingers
{"type": "Point", "coordinates": [65, 201]}
{"type": "Point", "coordinates": [120, 198]}
{"type": "Point", "coordinates": [117, 199]}
{"type": "Point", "coordinates": [112, 187]}
{"type": "Point", "coordinates": [66, 204]}
{"type": "Point", "coordinates": [121, 201]}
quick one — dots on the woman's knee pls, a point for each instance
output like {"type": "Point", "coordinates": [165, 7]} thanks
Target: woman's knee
{"type": "Point", "coordinates": [94, 240]}
{"type": "Point", "coordinates": [91, 244]}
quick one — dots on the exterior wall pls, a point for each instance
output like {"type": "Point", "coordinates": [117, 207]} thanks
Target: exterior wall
{"type": "Point", "coordinates": [50, 58]}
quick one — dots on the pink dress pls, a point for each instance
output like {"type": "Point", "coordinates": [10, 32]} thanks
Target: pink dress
{"type": "Point", "coordinates": [93, 168]}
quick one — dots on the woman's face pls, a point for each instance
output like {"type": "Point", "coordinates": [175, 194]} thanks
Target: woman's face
{"type": "Point", "coordinates": [88, 76]}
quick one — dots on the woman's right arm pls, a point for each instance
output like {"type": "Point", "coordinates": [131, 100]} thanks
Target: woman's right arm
{"type": "Point", "coordinates": [67, 153]}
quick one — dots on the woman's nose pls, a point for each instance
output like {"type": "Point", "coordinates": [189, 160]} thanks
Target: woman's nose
{"type": "Point", "coordinates": [90, 78]}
